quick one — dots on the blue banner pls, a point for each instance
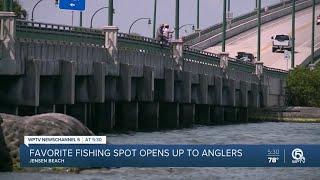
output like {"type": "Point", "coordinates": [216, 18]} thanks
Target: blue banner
{"type": "Point", "coordinates": [78, 5]}
{"type": "Point", "coordinates": [110, 155]}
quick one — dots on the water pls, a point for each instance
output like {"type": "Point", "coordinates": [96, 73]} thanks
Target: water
{"type": "Point", "coordinates": [255, 133]}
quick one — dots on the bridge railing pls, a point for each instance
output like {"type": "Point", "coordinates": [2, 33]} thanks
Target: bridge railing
{"type": "Point", "coordinates": [126, 42]}
{"type": "Point", "coordinates": [47, 31]}
{"type": "Point", "coordinates": [217, 28]}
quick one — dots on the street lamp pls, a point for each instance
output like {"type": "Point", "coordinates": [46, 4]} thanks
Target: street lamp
{"type": "Point", "coordinates": [34, 7]}
{"type": "Point", "coordinates": [96, 13]}
{"type": "Point", "coordinates": [149, 22]}
{"type": "Point", "coordinates": [187, 25]}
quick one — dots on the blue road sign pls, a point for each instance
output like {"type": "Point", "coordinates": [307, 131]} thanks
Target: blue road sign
{"type": "Point", "coordinates": [78, 5]}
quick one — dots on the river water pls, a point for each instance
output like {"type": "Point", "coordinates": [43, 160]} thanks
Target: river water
{"type": "Point", "coordinates": [252, 133]}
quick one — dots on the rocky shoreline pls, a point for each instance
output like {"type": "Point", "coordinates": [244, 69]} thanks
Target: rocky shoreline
{"type": "Point", "coordinates": [14, 128]}
{"type": "Point", "coordinates": [287, 114]}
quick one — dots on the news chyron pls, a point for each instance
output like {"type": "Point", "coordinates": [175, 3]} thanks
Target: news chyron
{"type": "Point", "coordinates": [94, 151]}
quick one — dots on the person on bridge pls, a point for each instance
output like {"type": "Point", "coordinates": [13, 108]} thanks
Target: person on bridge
{"type": "Point", "coordinates": [167, 33]}
{"type": "Point", "coordinates": [160, 36]}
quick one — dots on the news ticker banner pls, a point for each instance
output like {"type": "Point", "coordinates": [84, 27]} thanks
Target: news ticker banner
{"type": "Point", "coordinates": [92, 151]}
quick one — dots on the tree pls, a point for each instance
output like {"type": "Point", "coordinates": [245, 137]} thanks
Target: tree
{"type": "Point", "coordinates": [303, 87]}
{"type": "Point", "coordinates": [17, 9]}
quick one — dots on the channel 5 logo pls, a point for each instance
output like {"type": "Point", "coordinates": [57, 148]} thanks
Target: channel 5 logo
{"type": "Point", "coordinates": [297, 155]}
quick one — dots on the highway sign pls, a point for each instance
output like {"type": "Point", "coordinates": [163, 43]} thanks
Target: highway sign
{"type": "Point", "coordinates": [77, 5]}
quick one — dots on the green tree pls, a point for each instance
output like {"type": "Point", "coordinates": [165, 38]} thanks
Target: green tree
{"type": "Point", "coordinates": [303, 87]}
{"type": "Point", "coordinates": [19, 11]}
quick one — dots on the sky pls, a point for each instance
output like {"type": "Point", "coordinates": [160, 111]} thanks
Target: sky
{"type": "Point", "coordinates": [126, 11]}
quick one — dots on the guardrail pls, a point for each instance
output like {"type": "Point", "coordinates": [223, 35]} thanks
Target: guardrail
{"type": "Point", "coordinates": [216, 29]}
{"type": "Point", "coordinates": [56, 32]}
{"type": "Point", "coordinates": [46, 31]}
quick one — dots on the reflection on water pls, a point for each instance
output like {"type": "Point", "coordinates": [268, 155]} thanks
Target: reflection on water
{"type": "Point", "coordinates": [256, 133]}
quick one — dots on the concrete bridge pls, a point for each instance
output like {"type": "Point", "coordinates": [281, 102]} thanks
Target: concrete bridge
{"type": "Point", "coordinates": [242, 33]}
{"type": "Point", "coordinates": [110, 80]}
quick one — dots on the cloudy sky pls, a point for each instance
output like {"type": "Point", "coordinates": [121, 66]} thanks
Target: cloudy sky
{"type": "Point", "coordinates": [129, 10]}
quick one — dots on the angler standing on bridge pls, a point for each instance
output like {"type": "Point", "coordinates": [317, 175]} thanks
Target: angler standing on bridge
{"type": "Point", "coordinates": [167, 33]}
{"type": "Point", "coordinates": [160, 36]}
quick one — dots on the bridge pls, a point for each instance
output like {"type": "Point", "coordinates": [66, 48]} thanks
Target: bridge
{"type": "Point", "coordinates": [242, 34]}
{"type": "Point", "coordinates": [111, 80]}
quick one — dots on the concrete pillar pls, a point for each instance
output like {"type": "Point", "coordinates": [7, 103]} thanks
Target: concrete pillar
{"type": "Point", "coordinates": [168, 85]}
{"type": "Point", "coordinates": [125, 82]}
{"type": "Point", "coordinates": [66, 89]}
{"type": "Point", "coordinates": [178, 53]}
{"type": "Point", "coordinates": [27, 110]}
{"type": "Point", "coordinates": [254, 96]}
{"type": "Point", "coordinates": [103, 115]}
{"type": "Point", "coordinates": [31, 84]}
{"type": "Point", "coordinates": [97, 82]}
{"type": "Point", "coordinates": [218, 90]}
{"type": "Point", "coordinates": [186, 115]}
{"type": "Point", "coordinates": [186, 87]}
{"type": "Point", "coordinates": [217, 115]}
{"type": "Point", "coordinates": [127, 114]}
{"type": "Point", "coordinates": [244, 94]}
{"type": "Point", "coordinates": [149, 115]}
{"type": "Point", "coordinates": [80, 112]}
{"type": "Point", "coordinates": [230, 114]}
{"type": "Point", "coordinates": [168, 115]}
{"type": "Point", "coordinates": [111, 42]}
{"type": "Point", "coordinates": [242, 114]}
{"type": "Point", "coordinates": [202, 114]}
{"type": "Point", "coordinates": [7, 35]}
{"type": "Point", "coordinates": [259, 68]}
{"type": "Point", "coordinates": [146, 85]}
{"type": "Point", "coordinates": [45, 109]}
{"type": "Point", "coordinates": [203, 81]}
{"type": "Point", "coordinates": [224, 58]}
{"type": "Point", "coordinates": [265, 93]}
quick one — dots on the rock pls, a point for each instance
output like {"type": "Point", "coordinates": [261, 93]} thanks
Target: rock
{"type": "Point", "coordinates": [14, 128]}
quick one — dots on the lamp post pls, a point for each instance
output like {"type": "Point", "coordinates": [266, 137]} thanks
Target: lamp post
{"type": "Point", "coordinates": [293, 31]}
{"type": "Point", "coordinates": [313, 26]}
{"type": "Point", "coordinates": [80, 23]}
{"type": "Point", "coordinates": [34, 7]}
{"type": "Point", "coordinates": [187, 25]}
{"type": "Point", "coordinates": [198, 14]}
{"type": "Point", "coordinates": [95, 14]}
{"type": "Point", "coordinates": [7, 5]}
{"type": "Point", "coordinates": [259, 30]}
{"type": "Point", "coordinates": [177, 20]}
{"type": "Point", "coordinates": [224, 26]}
{"type": "Point", "coordinates": [149, 22]}
{"type": "Point", "coordinates": [110, 13]}
{"type": "Point", "coordinates": [154, 18]}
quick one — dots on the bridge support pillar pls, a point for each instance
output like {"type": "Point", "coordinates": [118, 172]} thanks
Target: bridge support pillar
{"type": "Point", "coordinates": [169, 85]}
{"type": "Point", "coordinates": [31, 84]}
{"type": "Point", "coordinates": [127, 114]}
{"type": "Point", "coordinates": [146, 85]}
{"type": "Point", "coordinates": [98, 82]}
{"type": "Point", "coordinates": [103, 115]}
{"type": "Point", "coordinates": [66, 92]}
{"type": "Point", "coordinates": [169, 115]}
{"type": "Point", "coordinates": [187, 114]}
{"type": "Point", "coordinates": [217, 115]}
{"type": "Point", "coordinates": [125, 82]}
{"type": "Point", "coordinates": [242, 114]}
{"type": "Point", "coordinates": [230, 114]}
{"type": "Point", "coordinates": [148, 115]}
{"type": "Point", "coordinates": [7, 35]}
{"type": "Point", "coordinates": [202, 114]}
